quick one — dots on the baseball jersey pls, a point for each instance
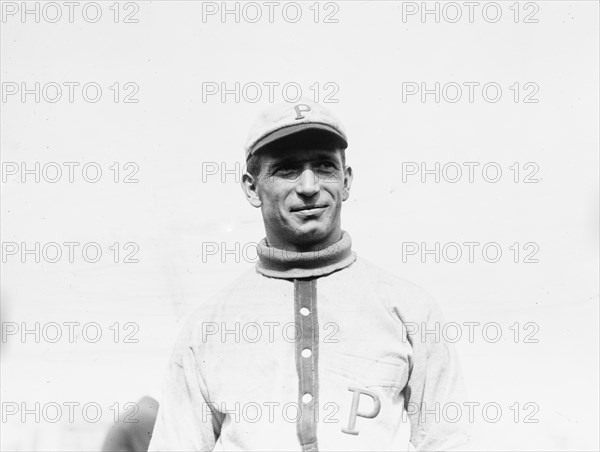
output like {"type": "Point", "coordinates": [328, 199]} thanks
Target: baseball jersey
{"type": "Point", "coordinates": [312, 351]}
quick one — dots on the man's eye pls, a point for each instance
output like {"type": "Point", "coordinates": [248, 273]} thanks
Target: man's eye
{"type": "Point", "coordinates": [327, 167]}
{"type": "Point", "coordinates": [287, 172]}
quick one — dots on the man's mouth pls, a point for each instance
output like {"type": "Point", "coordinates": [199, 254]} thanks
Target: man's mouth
{"type": "Point", "coordinates": [309, 208]}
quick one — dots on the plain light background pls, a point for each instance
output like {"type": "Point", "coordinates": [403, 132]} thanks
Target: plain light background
{"type": "Point", "coordinates": [171, 133]}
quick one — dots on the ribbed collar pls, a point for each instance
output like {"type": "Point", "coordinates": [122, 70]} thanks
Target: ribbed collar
{"type": "Point", "coordinates": [279, 263]}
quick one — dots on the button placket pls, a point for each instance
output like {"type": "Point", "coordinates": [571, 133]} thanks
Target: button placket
{"type": "Point", "coordinates": [305, 306]}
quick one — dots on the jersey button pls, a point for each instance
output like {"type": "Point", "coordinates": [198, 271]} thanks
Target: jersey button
{"type": "Point", "coordinates": [306, 398]}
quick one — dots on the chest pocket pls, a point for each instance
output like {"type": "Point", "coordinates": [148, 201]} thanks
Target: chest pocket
{"type": "Point", "coordinates": [366, 372]}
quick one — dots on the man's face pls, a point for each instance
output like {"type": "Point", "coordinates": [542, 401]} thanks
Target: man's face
{"type": "Point", "coordinates": [301, 193]}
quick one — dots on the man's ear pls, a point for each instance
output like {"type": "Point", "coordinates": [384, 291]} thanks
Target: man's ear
{"type": "Point", "coordinates": [250, 188]}
{"type": "Point", "coordinates": [347, 182]}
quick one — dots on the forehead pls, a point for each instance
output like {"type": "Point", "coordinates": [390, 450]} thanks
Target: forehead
{"type": "Point", "coordinates": [300, 155]}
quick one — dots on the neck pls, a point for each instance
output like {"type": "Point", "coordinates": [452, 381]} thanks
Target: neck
{"type": "Point", "coordinates": [293, 264]}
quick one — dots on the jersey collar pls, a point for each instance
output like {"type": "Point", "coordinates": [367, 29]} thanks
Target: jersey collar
{"type": "Point", "coordinates": [278, 263]}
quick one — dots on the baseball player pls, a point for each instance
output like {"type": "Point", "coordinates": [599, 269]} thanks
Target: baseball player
{"type": "Point", "coordinates": [314, 348]}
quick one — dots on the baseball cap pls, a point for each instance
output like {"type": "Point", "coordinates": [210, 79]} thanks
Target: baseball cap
{"type": "Point", "coordinates": [285, 119]}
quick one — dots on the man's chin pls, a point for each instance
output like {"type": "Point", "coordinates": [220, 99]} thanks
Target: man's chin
{"type": "Point", "coordinates": [310, 234]}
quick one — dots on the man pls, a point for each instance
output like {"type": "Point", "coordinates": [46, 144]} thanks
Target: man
{"type": "Point", "coordinates": [354, 373]}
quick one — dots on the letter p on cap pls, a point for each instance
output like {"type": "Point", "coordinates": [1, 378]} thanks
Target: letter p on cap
{"type": "Point", "coordinates": [300, 110]}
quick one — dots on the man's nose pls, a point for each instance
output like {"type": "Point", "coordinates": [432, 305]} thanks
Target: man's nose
{"type": "Point", "coordinates": [308, 184]}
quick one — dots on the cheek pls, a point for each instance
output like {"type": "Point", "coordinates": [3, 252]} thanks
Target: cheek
{"type": "Point", "coordinates": [336, 191]}
{"type": "Point", "coordinates": [273, 200]}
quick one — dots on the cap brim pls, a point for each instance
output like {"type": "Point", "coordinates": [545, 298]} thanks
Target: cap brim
{"type": "Point", "coordinates": [293, 129]}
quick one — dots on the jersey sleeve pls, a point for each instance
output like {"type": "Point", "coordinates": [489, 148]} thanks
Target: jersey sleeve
{"type": "Point", "coordinates": [435, 392]}
{"type": "Point", "coordinates": [186, 420]}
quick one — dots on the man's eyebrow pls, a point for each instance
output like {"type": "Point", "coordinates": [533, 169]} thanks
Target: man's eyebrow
{"type": "Point", "coordinates": [285, 159]}
{"type": "Point", "coordinates": [326, 157]}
